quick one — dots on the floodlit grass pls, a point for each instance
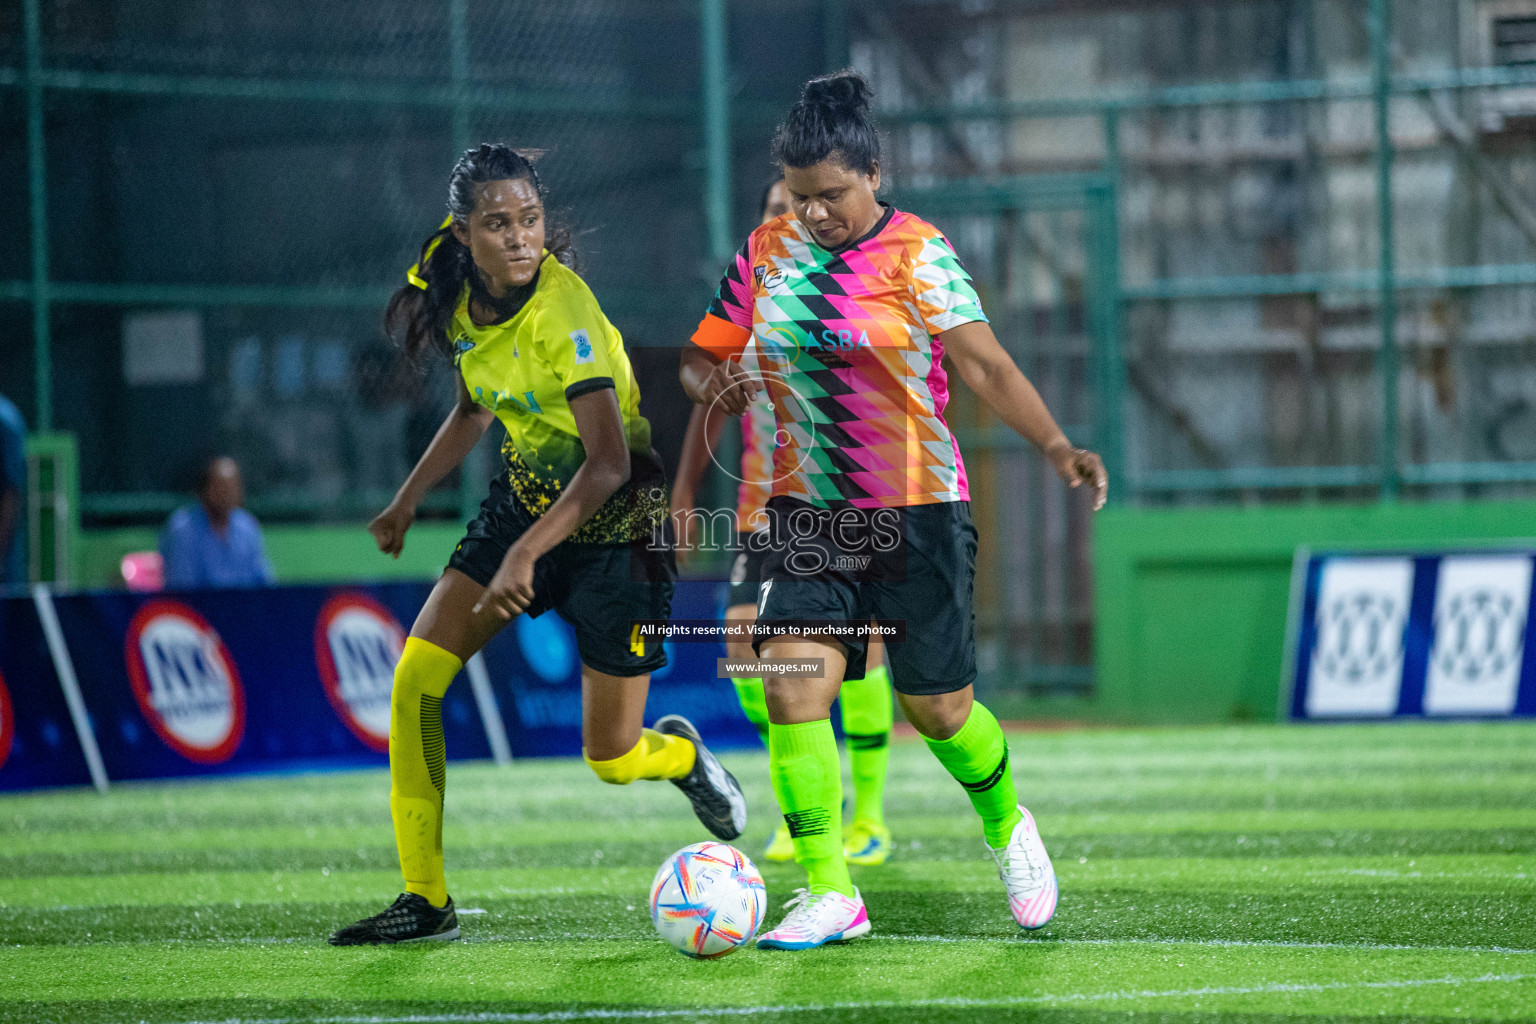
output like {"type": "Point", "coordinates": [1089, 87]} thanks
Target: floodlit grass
{"type": "Point", "coordinates": [1244, 874]}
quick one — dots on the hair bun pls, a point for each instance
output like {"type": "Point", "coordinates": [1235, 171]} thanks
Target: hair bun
{"type": "Point", "coordinates": [846, 90]}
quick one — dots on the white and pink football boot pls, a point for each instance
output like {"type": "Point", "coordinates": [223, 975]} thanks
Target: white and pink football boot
{"type": "Point", "coordinates": [1026, 871]}
{"type": "Point", "coordinates": [814, 919]}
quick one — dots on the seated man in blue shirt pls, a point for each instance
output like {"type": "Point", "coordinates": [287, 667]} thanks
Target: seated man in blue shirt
{"type": "Point", "coordinates": [215, 543]}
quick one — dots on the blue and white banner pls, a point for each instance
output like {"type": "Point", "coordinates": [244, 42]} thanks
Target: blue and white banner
{"type": "Point", "coordinates": [228, 681]}
{"type": "Point", "coordinates": [1434, 635]}
{"type": "Point", "coordinates": [38, 745]}
{"type": "Point", "coordinates": [296, 678]}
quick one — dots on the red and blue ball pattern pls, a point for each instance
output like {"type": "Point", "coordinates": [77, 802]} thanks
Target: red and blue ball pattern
{"type": "Point", "coordinates": [708, 900]}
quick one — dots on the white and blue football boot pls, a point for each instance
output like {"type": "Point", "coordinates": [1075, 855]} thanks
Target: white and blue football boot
{"type": "Point", "coordinates": [1026, 871]}
{"type": "Point", "coordinates": [815, 919]}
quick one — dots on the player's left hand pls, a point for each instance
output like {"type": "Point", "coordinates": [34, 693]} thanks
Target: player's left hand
{"type": "Point", "coordinates": [511, 589]}
{"type": "Point", "coordinates": [1078, 466]}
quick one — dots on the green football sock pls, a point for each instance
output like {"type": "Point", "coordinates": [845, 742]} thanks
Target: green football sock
{"type": "Point", "coordinates": [749, 693]}
{"type": "Point", "coordinates": [977, 756]}
{"type": "Point", "coordinates": [866, 707]}
{"type": "Point", "coordinates": [807, 779]}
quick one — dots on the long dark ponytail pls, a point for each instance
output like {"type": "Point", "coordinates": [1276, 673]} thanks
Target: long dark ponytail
{"type": "Point", "coordinates": [419, 313]}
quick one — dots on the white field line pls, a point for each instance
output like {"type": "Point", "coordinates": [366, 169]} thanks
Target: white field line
{"type": "Point", "coordinates": [1064, 999]}
{"type": "Point", "coordinates": [1021, 940]}
{"type": "Point", "coordinates": [1217, 943]}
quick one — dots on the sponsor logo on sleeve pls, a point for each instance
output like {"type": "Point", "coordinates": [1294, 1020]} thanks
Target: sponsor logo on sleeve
{"type": "Point", "coordinates": [185, 682]}
{"type": "Point", "coordinates": [583, 345]}
{"type": "Point", "coordinates": [357, 643]}
{"type": "Point", "coordinates": [461, 346]}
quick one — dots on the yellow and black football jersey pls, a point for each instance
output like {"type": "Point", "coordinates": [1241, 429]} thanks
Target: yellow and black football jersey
{"type": "Point", "coordinates": [527, 370]}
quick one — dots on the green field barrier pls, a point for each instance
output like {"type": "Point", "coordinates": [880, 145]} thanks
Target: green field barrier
{"type": "Point", "coordinates": [1190, 604]}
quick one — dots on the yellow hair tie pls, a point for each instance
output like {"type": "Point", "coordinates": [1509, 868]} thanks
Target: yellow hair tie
{"type": "Point", "coordinates": [414, 274]}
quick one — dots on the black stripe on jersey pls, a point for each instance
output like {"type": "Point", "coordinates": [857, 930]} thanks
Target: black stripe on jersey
{"type": "Point", "coordinates": [586, 387]}
{"type": "Point", "coordinates": [826, 284]}
{"type": "Point", "coordinates": [820, 307]}
{"type": "Point", "coordinates": [717, 304]}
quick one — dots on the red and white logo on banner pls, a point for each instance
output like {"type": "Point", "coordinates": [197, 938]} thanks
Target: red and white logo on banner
{"type": "Point", "coordinates": [357, 642]}
{"type": "Point", "coordinates": [185, 681]}
{"type": "Point", "coordinates": [7, 723]}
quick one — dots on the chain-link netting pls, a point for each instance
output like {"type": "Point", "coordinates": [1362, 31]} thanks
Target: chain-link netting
{"type": "Point", "coordinates": [235, 192]}
{"type": "Point", "coordinates": [1249, 229]}
{"type": "Point", "coordinates": [233, 189]}
{"type": "Point", "coordinates": [1247, 246]}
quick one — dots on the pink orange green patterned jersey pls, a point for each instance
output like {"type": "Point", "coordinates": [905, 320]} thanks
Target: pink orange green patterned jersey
{"type": "Point", "coordinates": [758, 429]}
{"type": "Point", "coordinates": [847, 344]}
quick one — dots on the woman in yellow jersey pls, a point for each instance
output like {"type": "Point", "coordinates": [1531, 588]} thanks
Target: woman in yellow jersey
{"type": "Point", "coordinates": [568, 525]}
{"type": "Point", "coordinates": [865, 703]}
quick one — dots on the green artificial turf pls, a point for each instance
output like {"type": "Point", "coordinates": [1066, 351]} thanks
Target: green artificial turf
{"type": "Point", "coordinates": [1255, 874]}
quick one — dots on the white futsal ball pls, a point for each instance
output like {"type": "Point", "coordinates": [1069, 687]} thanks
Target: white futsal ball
{"type": "Point", "coordinates": [708, 900]}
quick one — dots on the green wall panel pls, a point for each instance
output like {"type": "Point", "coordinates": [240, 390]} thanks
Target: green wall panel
{"type": "Point", "coordinates": [1190, 604]}
{"type": "Point", "coordinates": [1206, 664]}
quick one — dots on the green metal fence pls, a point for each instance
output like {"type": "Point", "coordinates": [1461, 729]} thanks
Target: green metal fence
{"type": "Point", "coordinates": [1391, 472]}
{"type": "Point", "coordinates": [703, 110]}
{"type": "Point", "coordinates": [1083, 325]}
{"type": "Point", "coordinates": [658, 114]}
{"type": "Point", "coordinates": [442, 78]}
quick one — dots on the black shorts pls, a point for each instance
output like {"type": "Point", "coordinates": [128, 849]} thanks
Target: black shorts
{"type": "Point", "coordinates": [600, 589]}
{"type": "Point", "coordinates": [747, 569]}
{"type": "Point", "coordinates": [914, 565]}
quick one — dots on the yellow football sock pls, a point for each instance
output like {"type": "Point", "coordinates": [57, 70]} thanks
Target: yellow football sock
{"type": "Point", "coordinates": [417, 762]}
{"type": "Point", "coordinates": [977, 756]}
{"type": "Point", "coordinates": [656, 756]}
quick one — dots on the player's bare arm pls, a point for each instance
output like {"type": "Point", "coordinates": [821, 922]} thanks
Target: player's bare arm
{"type": "Point", "coordinates": [605, 470]}
{"type": "Point", "coordinates": [705, 424]}
{"type": "Point", "coordinates": [460, 431]}
{"type": "Point", "coordinates": [986, 367]}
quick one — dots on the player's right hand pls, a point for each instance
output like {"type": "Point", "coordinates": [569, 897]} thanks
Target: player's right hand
{"type": "Point", "coordinates": [730, 387]}
{"type": "Point", "coordinates": [511, 589]}
{"type": "Point", "coordinates": [388, 528]}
